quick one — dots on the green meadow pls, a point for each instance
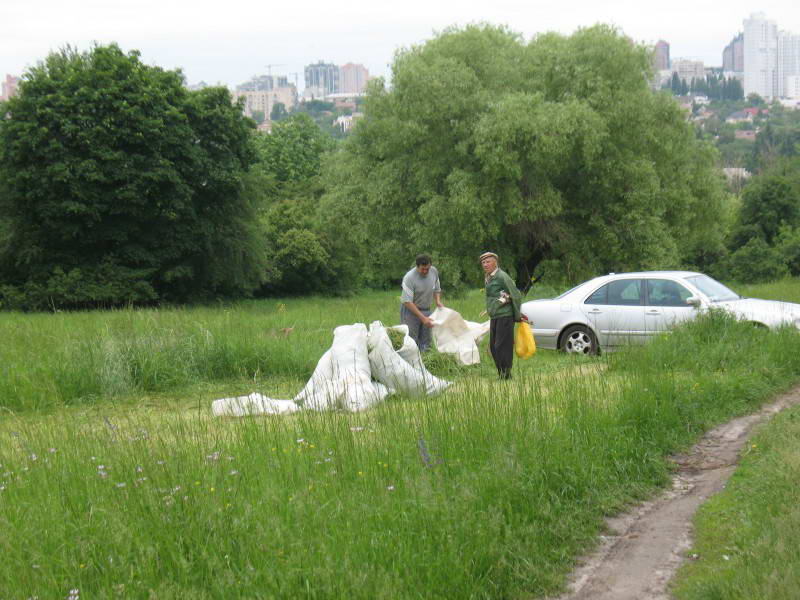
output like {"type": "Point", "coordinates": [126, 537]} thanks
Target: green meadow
{"type": "Point", "coordinates": [116, 481]}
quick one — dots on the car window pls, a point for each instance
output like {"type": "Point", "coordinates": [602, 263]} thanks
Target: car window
{"type": "Point", "coordinates": [665, 292]}
{"type": "Point", "coordinates": [600, 296]}
{"type": "Point", "coordinates": [624, 292]}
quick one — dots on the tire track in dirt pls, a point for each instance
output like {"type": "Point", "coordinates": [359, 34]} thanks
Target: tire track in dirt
{"type": "Point", "coordinates": [648, 543]}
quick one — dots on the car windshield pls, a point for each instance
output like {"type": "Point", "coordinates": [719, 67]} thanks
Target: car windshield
{"type": "Point", "coordinates": [712, 288]}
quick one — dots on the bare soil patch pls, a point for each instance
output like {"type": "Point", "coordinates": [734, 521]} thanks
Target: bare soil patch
{"type": "Point", "coordinates": [648, 543]}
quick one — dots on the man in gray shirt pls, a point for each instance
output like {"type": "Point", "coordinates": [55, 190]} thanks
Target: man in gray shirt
{"type": "Point", "coordinates": [419, 291]}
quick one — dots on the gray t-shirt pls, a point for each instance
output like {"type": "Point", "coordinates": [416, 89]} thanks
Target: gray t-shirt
{"type": "Point", "coordinates": [419, 289]}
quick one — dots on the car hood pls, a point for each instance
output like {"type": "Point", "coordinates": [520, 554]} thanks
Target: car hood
{"type": "Point", "coordinates": [769, 312]}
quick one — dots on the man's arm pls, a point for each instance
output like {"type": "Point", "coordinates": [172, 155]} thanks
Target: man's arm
{"type": "Point", "coordinates": [437, 296]}
{"type": "Point", "coordinates": [427, 321]}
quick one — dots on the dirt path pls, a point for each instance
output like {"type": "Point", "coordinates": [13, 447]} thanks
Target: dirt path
{"type": "Point", "coordinates": [649, 542]}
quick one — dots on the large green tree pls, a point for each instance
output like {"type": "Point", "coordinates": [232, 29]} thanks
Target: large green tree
{"type": "Point", "coordinates": [770, 202]}
{"type": "Point", "coordinates": [552, 151]}
{"type": "Point", "coordinates": [303, 257]}
{"type": "Point", "coordinates": [119, 185]}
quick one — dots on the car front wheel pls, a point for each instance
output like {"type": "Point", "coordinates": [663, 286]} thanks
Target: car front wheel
{"type": "Point", "coordinates": [578, 339]}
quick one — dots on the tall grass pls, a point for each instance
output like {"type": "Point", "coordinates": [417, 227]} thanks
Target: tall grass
{"type": "Point", "coordinates": [488, 491]}
{"type": "Point", "coordinates": [51, 360]}
{"type": "Point", "coordinates": [785, 289]}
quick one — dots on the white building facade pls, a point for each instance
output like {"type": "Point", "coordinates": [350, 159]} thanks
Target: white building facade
{"type": "Point", "coordinates": [689, 69]}
{"type": "Point", "coordinates": [792, 87]}
{"type": "Point", "coordinates": [788, 61]}
{"type": "Point", "coordinates": [264, 101]}
{"type": "Point", "coordinates": [760, 56]}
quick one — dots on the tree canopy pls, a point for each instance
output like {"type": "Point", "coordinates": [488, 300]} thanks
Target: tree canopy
{"type": "Point", "coordinates": [119, 185]}
{"type": "Point", "coordinates": [287, 180]}
{"type": "Point", "coordinates": [550, 152]}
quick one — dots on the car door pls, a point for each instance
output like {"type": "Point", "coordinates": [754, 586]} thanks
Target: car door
{"type": "Point", "coordinates": [616, 311]}
{"type": "Point", "coordinates": [666, 305]}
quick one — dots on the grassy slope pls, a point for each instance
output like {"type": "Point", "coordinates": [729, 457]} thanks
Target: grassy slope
{"type": "Point", "coordinates": [488, 491]}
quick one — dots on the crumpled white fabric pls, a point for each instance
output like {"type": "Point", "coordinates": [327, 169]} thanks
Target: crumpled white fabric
{"type": "Point", "coordinates": [343, 378]}
{"type": "Point", "coordinates": [453, 335]}
{"type": "Point", "coordinates": [400, 370]}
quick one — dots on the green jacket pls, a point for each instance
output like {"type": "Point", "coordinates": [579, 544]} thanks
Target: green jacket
{"type": "Point", "coordinates": [501, 282]}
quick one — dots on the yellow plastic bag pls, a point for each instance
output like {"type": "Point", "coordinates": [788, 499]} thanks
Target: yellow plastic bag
{"type": "Point", "coordinates": [524, 344]}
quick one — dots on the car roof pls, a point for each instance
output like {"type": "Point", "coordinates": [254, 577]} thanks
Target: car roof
{"type": "Point", "coordinates": [641, 274]}
{"type": "Point", "coordinates": [651, 274]}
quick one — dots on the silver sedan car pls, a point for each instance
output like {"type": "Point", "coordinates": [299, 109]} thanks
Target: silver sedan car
{"type": "Point", "coordinates": [629, 308]}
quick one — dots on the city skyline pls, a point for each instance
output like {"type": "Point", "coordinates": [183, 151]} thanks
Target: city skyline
{"type": "Point", "coordinates": [231, 47]}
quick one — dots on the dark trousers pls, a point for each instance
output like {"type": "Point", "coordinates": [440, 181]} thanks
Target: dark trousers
{"type": "Point", "coordinates": [501, 344]}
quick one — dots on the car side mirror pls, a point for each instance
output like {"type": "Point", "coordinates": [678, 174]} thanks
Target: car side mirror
{"type": "Point", "coordinates": [693, 301]}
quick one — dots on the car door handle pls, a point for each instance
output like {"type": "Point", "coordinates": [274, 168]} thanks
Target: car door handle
{"type": "Point", "coordinates": [595, 311]}
{"type": "Point", "coordinates": [653, 312]}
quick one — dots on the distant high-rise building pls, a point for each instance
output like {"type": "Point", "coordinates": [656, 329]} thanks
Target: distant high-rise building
{"type": "Point", "coordinates": [689, 69]}
{"type": "Point", "coordinates": [733, 55]}
{"type": "Point", "coordinates": [264, 101]}
{"type": "Point", "coordinates": [793, 87]}
{"type": "Point", "coordinates": [788, 62]}
{"type": "Point", "coordinates": [771, 57]}
{"type": "Point", "coordinates": [661, 55]}
{"type": "Point", "coordinates": [8, 87]}
{"type": "Point", "coordinates": [322, 79]}
{"type": "Point", "coordinates": [760, 56]}
{"type": "Point", "coordinates": [263, 83]}
{"type": "Point", "coordinates": [352, 78]}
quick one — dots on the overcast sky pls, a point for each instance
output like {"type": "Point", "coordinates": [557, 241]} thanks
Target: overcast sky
{"type": "Point", "coordinates": [228, 42]}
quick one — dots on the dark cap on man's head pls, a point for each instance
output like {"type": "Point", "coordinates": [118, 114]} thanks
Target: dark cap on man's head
{"type": "Point", "coordinates": [488, 255]}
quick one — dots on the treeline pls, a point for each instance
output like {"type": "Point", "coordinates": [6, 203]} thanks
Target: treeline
{"type": "Point", "coordinates": [763, 242]}
{"type": "Point", "coordinates": [713, 86]}
{"type": "Point", "coordinates": [117, 185]}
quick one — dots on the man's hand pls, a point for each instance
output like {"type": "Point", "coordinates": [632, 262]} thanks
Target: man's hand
{"type": "Point", "coordinates": [427, 321]}
{"type": "Point", "coordinates": [523, 317]}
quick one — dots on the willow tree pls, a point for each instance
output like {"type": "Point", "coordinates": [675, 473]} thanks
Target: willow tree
{"type": "Point", "coordinates": [552, 150]}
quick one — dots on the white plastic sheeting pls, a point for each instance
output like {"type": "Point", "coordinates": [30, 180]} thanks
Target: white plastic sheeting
{"type": "Point", "coordinates": [401, 370]}
{"type": "Point", "coordinates": [453, 335]}
{"type": "Point", "coordinates": [343, 378]}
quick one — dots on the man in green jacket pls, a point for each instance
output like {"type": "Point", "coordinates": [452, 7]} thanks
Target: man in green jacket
{"type": "Point", "coordinates": [503, 301]}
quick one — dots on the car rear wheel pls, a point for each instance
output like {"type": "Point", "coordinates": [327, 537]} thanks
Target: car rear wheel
{"type": "Point", "coordinates": [578, 339]}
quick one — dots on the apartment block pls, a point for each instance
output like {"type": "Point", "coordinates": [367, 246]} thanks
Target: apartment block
{"type": "Point", "coordinates": [733, 55]}
{"type": "Point", "coordinates": [760, 56]}
{"type": "Point", "coordinates": [263, 83]}
{"type": "Point", "coordinates": [661, 56]}
{"type": "Point", "coordinates": [689, 69]}
{"type": "Point", "coordinates": [353, 78]}
{"type": "Point", "coordinates": [264, 100]}
{"type": "Point", "coordinates": [8, 87]}
{"type": "Point", "coordinates": [787, 61]}
{"type": "Point", "coordinates": [321, 79]}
